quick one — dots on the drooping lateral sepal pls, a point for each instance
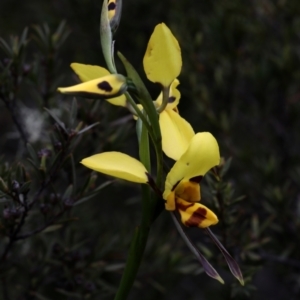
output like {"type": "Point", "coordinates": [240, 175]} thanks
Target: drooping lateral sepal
{"type": "Point", "coordinates": [105, 87]}
{"type": "Point", "coordinates": [232, 264]}
{"type": "Point", "coordinates": [117, 164]}
{"type": "Point", "coordinates": [208, 268]}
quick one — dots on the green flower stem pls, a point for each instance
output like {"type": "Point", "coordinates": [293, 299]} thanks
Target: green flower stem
{"type": "Point", "coordinates": [106, 39]}
{"type": "Point", "coordinates": [159, 162]}
{"type": "Point", "coordinates": [137, 248]}
{"type": "Point", "coordinates": [139, 241]}
{"type": "Point", "coordinates": [139, 113]}
{"type": "Point", "coordinates": [144, 150]}
{"type": "Point", "coordinates": [147, 103]}
{"type": "Point", "coordinates": [165, 99]}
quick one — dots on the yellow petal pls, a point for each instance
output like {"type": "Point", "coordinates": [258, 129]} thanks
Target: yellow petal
{"type": "Point", "coordinates": [201, 155]}
{"type": "Point", "coordinates": [108, 86]}
{"type": "Point", "coordinates": [195, 214]}
{"type": "Point", "coordinates": [88, 72]}
{"type": "Point", "coordinates": [174, 96]}
{"type": "Point", "coordinates": [162, 60]}
{"type": "Point", "coordinates": [176, 133]}
{"type": "Point", "coordinates": [117, 164]}
{"type": "Point", "coordinates": [119, 101]}
{"type": "Point", "coordinates": [188, 190]}
{"type": "Point", "coordinates": [170, 202]}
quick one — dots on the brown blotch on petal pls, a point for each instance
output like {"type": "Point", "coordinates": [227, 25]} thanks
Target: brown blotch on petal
{"type": "Point", "coordinates": [171, 99]}
{"type": "Point", "coordinates": [105, 86]}
{"type": "Point", "coordinates": [196, 218]}
{"type": "Point", "coordinates": [196, 179]}
{"type": "Point", "coordinates": [111, 6]}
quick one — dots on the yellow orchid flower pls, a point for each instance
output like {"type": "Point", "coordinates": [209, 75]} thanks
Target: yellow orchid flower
{"type": "Point", "coordinates": [182, 191]}
{"type": "Point", "coordinates": [92, 77]}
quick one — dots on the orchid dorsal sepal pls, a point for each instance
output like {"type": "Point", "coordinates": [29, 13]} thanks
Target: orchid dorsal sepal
{"type": "Point", "coordinates": [162, 60]}
{"type": "Point", "coordinates": [114, 8]}
{"type": "Point", "coordinates": [118, 165]}
{"type": "Point", "coordinates": [106, 87]}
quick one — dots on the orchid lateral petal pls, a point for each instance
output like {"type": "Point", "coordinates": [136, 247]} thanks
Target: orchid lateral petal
{"type": "Point", "coordinates": [105, 87]}
{"type": "Point", "coordinates": [174, 96]}
{"type": "Point", "coordinates": [117, 164]}
{"type": "Point", "coordinates": [90, 72]}
{"type": "Point", "coordinates": [232, 264]}
{"type": "Point", "coordinates": [176, 133]}
{"type": "Point", "coordinates": [208, 268]}
{"type": "Point", "coordinates": [201, 155]}
{"type": "Point", "coordinates": [195, 214]}
{"type": "Point", "coordinates": [162, 60]}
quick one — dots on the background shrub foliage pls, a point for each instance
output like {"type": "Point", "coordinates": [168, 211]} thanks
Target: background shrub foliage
{"type": "Point", "coordinates": [65, 231]}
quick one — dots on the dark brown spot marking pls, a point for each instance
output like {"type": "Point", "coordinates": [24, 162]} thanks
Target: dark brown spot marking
{"type": "Point", "coordinates": [196, 218]}
{"type": "Point", "coordinates": [111, 6]}
{"type": "Point", "coordinates": [105, 86]}
{"type": "Point", "coordinates": [196, 179]}
{"type": "Point", "coordinates": [171, 99]}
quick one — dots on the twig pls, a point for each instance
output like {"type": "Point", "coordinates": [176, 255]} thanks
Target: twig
{"type": "Point", "coordinates": [38, 230]}
{"type": "Point", "coordinates": [12, 238]}
{"type": "Point", "coordinates": [10, 105]}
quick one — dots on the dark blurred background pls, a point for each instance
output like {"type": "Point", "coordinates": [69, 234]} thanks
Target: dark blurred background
{"type": "Point", "coordinates": [240, 81]}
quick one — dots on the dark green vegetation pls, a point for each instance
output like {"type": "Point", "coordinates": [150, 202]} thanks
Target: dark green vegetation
{"type": "Point", "coordinates": [64, 232]}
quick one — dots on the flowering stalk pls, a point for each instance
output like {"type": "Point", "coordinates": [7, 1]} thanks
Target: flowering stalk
{"type": "Point", "coordinates": [141, 233]}
{"type": "Point", "coordinates": [194, 153]}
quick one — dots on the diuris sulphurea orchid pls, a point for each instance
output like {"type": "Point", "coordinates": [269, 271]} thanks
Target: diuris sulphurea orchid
{"type": "Point", "coordinates": [182, 192]}
{"type": "Point", "coordinates": [162, 64]}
